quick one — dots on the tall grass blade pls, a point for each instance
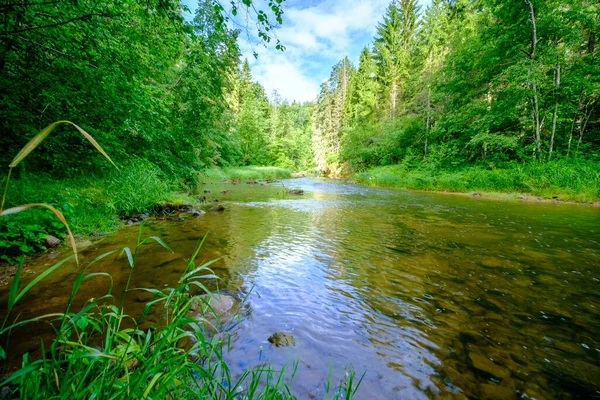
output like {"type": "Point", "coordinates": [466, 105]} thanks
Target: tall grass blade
{"type": "Point", "coordinates": [5, 190]}
{"type": "Point", "coordinates": [37, 139]}
{"type": "Point", "coordinates": [14, 287]}
{"type": "Point", "coordinates": [40, 277]}
{"type": "Point", "coordinates": [94, 143]}
{"type": "Point", "coordinates": [127, 251]}
{"type": "Point", "coordinates": [157, 240]}
{"type": "Point", "coordinates": [58, 214]}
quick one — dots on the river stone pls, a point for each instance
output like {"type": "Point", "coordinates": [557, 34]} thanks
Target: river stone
{"type": "Point", "coordinates": [220, 303]}
{"type": "Point", "coordinates": [282, 339]}
{"type": "Point", "coordinates": [297, 192]}
{"type": "Point", "coordinates": [483, 363]}
{"type": "Point", "coordinates": [144, 296]}
{"type": "Point", "coordinates": [575, 374]}
{"type": "Point", "coordinates": [490, 391]}
{"type": "Point", "coordinates": [197, 213]}
{"type": "Point", "coordinates": [217, 208]}
{"type": "Point", "coordinates": [83, 244]}
{"type": "Point", "coordinates": [99, 234]}
{"type": "Point", "coordinates": [51, 241]}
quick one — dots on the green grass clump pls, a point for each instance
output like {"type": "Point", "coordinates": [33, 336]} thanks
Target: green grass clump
{"type": "Point", "coordinates": [244, 174]}
{"type": "Point", "coordinates": [570, 180]}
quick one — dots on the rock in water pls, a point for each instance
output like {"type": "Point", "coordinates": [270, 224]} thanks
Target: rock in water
{"type": "Point", "coordinates": [220, 303]}
{"type": "Point", "coordinates": [575, 374]}
{"type": "Point", "coordinates": [51, 241]}
{"type": "Point", "coordinates": [297, 192]}
{"type": "Point", "coordinates": [197, 213]}
{"type": "Point", "coordinates": [217, 208]}
{"type": "Point", "coordinates": [282, 339]}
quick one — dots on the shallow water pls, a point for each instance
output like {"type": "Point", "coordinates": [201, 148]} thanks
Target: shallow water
{"type": "Point", "coordinates": [428, 294]}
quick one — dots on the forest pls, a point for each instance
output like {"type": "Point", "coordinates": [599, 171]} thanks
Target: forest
{"type": "Point", "coordinates": [459, 96]}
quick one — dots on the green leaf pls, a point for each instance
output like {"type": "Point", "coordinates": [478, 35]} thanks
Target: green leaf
{"type": "Point", "coordinates": [82, 322]}
{"type": "Point", "coordinates": [14, 287]}
{"type": "Point", "coordinates": [42, 276]}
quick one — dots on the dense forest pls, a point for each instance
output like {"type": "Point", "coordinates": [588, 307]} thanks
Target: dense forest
{"type": "Point", "coordinates": [460, 95]}
{"type": "Point", "coordinates": [463, 82]}
{"type": "Point", "coordinates": [144, 81]}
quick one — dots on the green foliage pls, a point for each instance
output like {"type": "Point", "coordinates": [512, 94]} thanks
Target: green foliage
{"type": "Point", "coordinates": [243, 174]}
{"type": "Point", "coordinates": [465, 85]}
{"type": "Point", "coordinates": [576, 181]}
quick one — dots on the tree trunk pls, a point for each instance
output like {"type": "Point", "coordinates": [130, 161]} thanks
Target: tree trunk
{"type": "Point", "coordinates": [571, 134]}
{"type": "Point", "coordinates": [536, 109]}
{"type": "Point", "coordinates": [555, 111]}
{"type": "Point", "coordinates": [428, 122]}
{"type": "Point", "coordinates": [586, 117]}
{"type": "Point", "coordinates": [393, 95]}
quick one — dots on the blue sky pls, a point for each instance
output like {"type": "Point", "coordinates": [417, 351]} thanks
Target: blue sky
{"type": "Point", "coordinates": [317, 34]}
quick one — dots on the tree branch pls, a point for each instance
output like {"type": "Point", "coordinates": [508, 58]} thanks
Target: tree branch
{"type": "Point", "coordinates": [31, 28]}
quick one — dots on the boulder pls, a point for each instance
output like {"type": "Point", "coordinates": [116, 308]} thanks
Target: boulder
{"type": "Point", "coordinates": [51, 241]}
{"type": "Point", "coordinates": [221, 304]}
{"type": "Point", "coordinates": [282, 339]}
{"type": "Point", "coordinates": [196, 213]}
{"type": "Point", "coordinates": [484, 364]}
{"type": "Point", "coordinates": [99, 234]}
{"type": "Point", "coordinates": [217, 208]}
{"type": "Point", "coordinates": [490, 391]}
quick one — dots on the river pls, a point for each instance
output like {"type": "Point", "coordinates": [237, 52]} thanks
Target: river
{"type": "Point", "coordinates": [427, 294]}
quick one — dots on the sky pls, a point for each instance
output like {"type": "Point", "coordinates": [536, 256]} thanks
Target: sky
{"type": "Point", "coordinates": [317, 34]}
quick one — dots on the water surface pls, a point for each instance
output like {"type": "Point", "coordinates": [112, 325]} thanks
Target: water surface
{"type": "Point", "coordinates": [430, 295]}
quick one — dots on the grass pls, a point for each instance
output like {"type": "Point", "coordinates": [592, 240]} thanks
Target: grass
{"type": "Point", "coordinates": [93, 203]}
{"type": "Point", "coordinates": [243, 174]}
{"type": "Point", "coordinates": [100, 352]}
{"type": "Point", "coordinates": [577, 181]}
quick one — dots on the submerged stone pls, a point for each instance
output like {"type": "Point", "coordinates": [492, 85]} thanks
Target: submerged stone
{"type": "Point", "coordinates": [297, 192]}
{"type": "Point", "coordinates": [282, 339]}
{"type": "Point", "coordinates": [483, 363]}
{"type": "Point", "coordinates": [490, 391]}
{"type": "Point", "coordinates": [217, 208]}
{"type": "Point", "coordinates": [579, 375]}
{"type": "Point", "coordinates": [221, 304]}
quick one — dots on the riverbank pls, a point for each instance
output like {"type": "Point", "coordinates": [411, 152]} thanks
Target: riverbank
{"type": "Point", "coordinates": [577, 182]}
{"type": "Point", "coordinates": [95, 205]}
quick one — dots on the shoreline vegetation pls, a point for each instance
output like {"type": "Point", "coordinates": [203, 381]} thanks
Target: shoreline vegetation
{"type": "Point", "coordinates": [96, 205]}
{"type": "Point", "coordinates": [559, 182]}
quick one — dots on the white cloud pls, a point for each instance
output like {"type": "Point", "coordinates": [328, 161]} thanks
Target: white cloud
{"type": "Point", "coordinates": [317, 34]}
{"type": "Point", "coordinates": [316, 37]}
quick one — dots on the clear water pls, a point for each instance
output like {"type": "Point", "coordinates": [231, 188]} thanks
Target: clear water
{"type": "Point", "coordinates": [428, 295]}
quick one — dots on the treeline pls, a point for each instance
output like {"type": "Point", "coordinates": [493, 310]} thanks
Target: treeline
{"type": "Point", "coordinates": [150, 86]}
{"type": "Point", "coordinates": [488, 82]}
{"type": "Point", "coordinates": [271, 132]}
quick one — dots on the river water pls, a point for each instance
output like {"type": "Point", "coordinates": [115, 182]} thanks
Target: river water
{"type": "Point", "coordinates": [429, 295]}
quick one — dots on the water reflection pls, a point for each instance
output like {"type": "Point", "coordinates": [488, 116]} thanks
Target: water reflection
{"type": "Point", "coordinates": [431, 295]}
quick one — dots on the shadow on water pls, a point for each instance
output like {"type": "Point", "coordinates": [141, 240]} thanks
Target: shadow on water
{"type": "Point", "coordinates": [431, 295]}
